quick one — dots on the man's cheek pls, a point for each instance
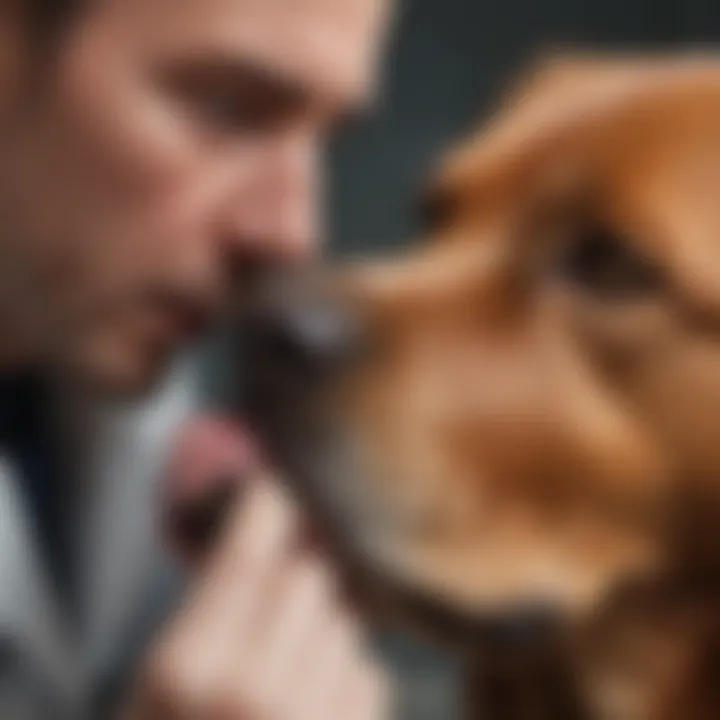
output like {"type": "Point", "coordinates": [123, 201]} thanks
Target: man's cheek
{"type": "Point", "coordinates": [116, 355]}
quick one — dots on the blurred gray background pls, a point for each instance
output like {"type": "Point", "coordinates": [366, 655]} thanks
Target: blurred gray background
{"type": "Point", "coordinates": [448, 64]}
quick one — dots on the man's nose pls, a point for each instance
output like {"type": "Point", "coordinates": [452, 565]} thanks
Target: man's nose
{"type": "Point", "coordinates": [277, 217]}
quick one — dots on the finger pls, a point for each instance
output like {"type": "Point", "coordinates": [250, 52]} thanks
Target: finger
{"type": "Point", "coordinates": [361, 694]}
{"type": "Point", "coordinates": [304, 596]}
{"type": "Point", "coordinates": [335, 657]}
{"type": "Point", "coordinates": [369, 696]}
{"type": "Point", "coordinates": [252, 547]}
{"type": "Point", "coordinates": [207, 637]}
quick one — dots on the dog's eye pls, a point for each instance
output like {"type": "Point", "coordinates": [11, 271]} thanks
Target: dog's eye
{"type": "Point", "coordinates": [599, 262]}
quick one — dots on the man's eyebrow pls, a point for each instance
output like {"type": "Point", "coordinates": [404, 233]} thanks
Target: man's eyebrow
{"type": "Point", "coordinates": [247, 73]}
{"type": "Point", "coordinates": [240, 72]}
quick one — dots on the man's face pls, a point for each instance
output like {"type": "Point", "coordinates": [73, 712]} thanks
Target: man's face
{"type": "Point", "coordinates": [169, 145]}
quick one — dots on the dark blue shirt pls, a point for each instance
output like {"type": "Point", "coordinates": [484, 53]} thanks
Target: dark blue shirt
{"type": "Point", "coordinates": [26, 437]}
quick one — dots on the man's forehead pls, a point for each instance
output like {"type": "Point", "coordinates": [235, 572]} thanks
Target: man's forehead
{"type": "Point", "coordinates": [329, 45]}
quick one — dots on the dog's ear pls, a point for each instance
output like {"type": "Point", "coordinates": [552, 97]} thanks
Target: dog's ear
{"type": "Point", "coordinates": [554, 90]}
{"type": "Point", "coordinates": [676, 180]}
{"type": "Point", "coordinates": [693, 223]}
{"type": "Point", "coordinates": [557, 94]}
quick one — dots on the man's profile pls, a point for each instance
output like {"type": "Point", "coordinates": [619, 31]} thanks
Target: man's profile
{"type": "Point", "coordinates": [153, 152]}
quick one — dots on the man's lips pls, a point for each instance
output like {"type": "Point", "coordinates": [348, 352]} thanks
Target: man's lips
{"type": "Point", "coordinates": [212, 459]}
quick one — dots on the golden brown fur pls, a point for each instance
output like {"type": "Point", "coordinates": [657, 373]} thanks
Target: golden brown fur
{"type": "Point", "coordinates": [537, 418]}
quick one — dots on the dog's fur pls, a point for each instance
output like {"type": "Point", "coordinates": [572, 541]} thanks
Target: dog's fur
{"type": "Point", "coordinates": [534, 419]}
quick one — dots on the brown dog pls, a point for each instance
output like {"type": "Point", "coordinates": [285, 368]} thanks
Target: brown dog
{"type": "Point", "coordinates": [514, 429]}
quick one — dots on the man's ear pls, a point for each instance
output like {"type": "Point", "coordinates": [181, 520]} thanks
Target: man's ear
{"type": "Point", "coordinates": [28, 42]}
{"type": "Point", "coordinates": [13, 51]}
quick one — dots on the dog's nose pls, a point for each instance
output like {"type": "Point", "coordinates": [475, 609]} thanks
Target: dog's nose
{"type": "Point", "coordinates": [296, 331]}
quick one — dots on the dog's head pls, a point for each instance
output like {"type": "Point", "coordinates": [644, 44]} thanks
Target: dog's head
{"type": "Point", "coordinates": [525, 409]}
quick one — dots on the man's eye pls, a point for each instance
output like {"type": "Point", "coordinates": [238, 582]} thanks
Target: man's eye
{"type": "Point", "coordinates": [226, 111]}
{"type": "Point", "coordinates": [223, 99]}
{"type": "Point", "coordinates": [600, 263]}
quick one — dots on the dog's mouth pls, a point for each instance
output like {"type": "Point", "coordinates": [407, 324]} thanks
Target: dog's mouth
{"type": "Point", "coordinates": [214, 460]}
{"type": "Point", "coordinates": [324, 464]}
